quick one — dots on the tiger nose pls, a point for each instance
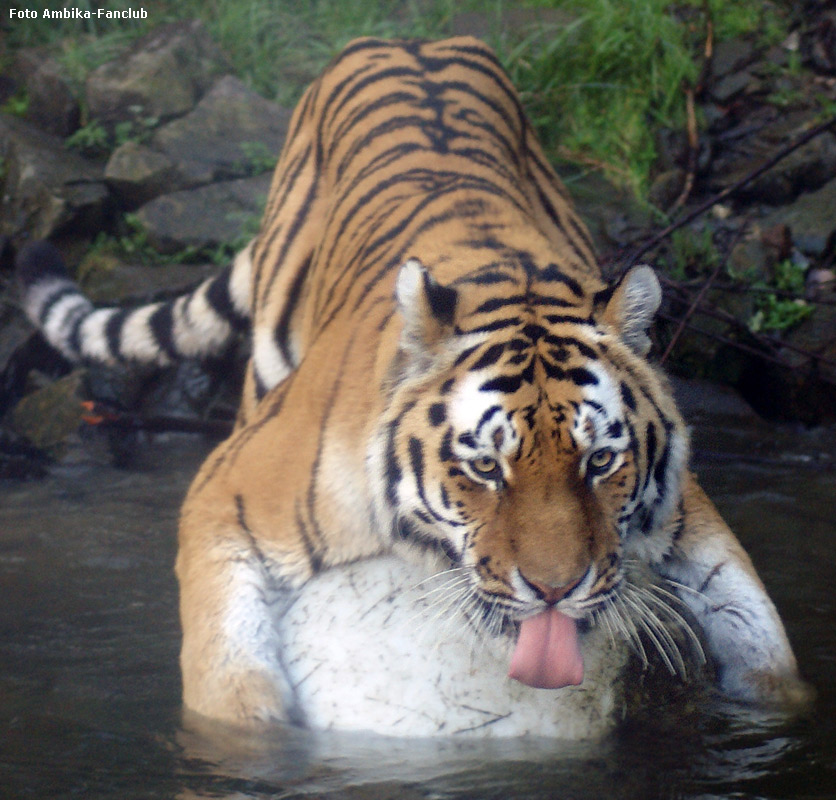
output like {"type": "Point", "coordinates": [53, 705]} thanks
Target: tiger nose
{"type": "Point", "coordinates": [553, 594]}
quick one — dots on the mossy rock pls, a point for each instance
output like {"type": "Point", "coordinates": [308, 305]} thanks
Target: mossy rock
{"type": "Point", "coordinates": [50, 417]}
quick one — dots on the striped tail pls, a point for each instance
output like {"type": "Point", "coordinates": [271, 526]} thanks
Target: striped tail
{"type": "Point", "coordinates": [199, 324]}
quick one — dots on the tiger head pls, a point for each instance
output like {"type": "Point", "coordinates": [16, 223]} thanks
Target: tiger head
{"type": "Point", "coordinates": [527, 440]}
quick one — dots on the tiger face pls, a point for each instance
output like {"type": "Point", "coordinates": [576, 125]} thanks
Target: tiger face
{"type": "Point", "coordinates": [532, 450]}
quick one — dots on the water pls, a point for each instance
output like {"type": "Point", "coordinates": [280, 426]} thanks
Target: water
{"type": "Point", "coordinates": [89, 683]}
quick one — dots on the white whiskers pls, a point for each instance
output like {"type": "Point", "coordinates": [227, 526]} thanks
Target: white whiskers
{"type": "Point", "coordinates": [648, 612]}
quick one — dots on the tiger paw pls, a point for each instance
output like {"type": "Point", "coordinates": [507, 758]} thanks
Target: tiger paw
{"type": "Point", "coordinates": [785, 690]}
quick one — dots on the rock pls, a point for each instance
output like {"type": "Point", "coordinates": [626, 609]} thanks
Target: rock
{"type": "Point", "coordinates": [809, 167]}
{"type": "Point", "coordinates": [818, 43]}
{"type": "Point", "coordinates": [232, 133]}
{"type": "Point", "coordinates": [204, 217]}
{"type": "Point", "coordinates": [19, 460]}
{"type": "Point", "coordinates": [137, 174]}
{"type": "Point", "coordinates": [163, 75]}
{"type": "Point", "coordinates": [666, 188]}
{"type": "Point", "coordinates": [820, 284]}
{"type": "Point", "coordinates": [699, 398]}
{"type": "Point", "coordinates": [726, 88]}
{"type": "Point", "coordinates": [46, 188]}
{"type": "Point", "coordinates": [673, 151]}
{"type": "Point", "coordinates": [817, 334]}
{"type": "Point", "coordinates": [108, 281]}
{"type": "Point", "coordinates": [810, 218]}
{"type": "Point", "coordinates": [52, 105]}
{"type": "Point", "coordinates": [752, 260]}
{"type": "Point", "coordinates": [50, 417]}
{"type": "Point", "coordinates": [729, 55]}
{"type": "Point", "coordinates": [15, 329]}
{"type": "Point", "coordinates": [612, 214]}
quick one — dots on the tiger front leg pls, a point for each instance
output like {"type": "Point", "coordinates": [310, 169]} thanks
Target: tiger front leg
{"type": "Point", "coordinates": [714, 577]}
{"type": "Point", "coordinates": [229, 608]}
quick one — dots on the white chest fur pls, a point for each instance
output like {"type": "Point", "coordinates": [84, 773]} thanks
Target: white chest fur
{"type": "Point", "coordinates": [367, 648]}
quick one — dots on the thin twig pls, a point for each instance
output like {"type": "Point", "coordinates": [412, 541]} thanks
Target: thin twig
{"type": "Point", "coordinates": [818, 130]}
{"type": "Point", "coordinates": [730, 342]}
{"type": "Point", "coordinates": [730, 319]}
{"type": "Point", "coordinates": [739, 288]}
{"type": "Point", "coordinates": [698, 299]}
{"type": "Point", "coordinates": [693, 151]}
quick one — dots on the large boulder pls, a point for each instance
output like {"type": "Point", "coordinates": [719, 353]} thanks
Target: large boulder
{"type": "Point", "coordinates": [163, 75]}
{"type": "Point", "coordinates": [51, 106]}
{"type": "Point", "coordinates": [205, 217]}
{"type": "Point", "coordinates": [232, 133]}
{"type": "Point", "coordinates": [756, 140]}
{"type": "Point", "coordinates": [810, 219]}
{"type": "Point", "coordinates": [46, 189]}
{"type": "Point", "coordinates": [138, 174]}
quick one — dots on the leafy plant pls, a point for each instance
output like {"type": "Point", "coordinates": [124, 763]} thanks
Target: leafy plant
{"type": "Point", "coordinates": [134, 130]}
{"type": "Point", "coordinates": [17, 105]}
{"type": "Point", "coordinates": [779, 312]}
{"type": "Point", "coordinates": [690, 253]}
{"type": "Point", "coordinates": [258, 158]}
{"type": "Point", "coordinates": [91, 139]}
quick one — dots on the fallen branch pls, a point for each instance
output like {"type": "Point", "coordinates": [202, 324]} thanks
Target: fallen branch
{"type": "Point", "coordinates": [818, 130]}
{"type": "Point", "coordinates": [101, 415]}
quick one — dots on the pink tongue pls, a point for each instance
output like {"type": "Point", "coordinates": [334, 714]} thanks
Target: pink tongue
{"type": "Point", "coordinates": [547, 655]}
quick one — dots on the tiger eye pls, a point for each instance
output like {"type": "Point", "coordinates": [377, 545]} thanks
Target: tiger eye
{"type": "Point", "coordinates": [601, 460]}
{"type": "Point", "coordinates": [484, 466]}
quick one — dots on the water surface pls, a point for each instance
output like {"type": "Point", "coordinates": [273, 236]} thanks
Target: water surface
{"type": "Point", "coordinates": [89, 683]}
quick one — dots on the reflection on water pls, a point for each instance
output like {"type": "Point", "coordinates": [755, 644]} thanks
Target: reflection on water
{"type": "Point", "coordinates": [89, 684]}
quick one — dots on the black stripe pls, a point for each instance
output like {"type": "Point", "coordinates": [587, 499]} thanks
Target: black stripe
{"type": "Point", "coordinates": [496, 325]}
{"type": "Point", "coordinates": [445, 451]}
{"type": "Point", "coordinates": [73, 335]}
{"type": "Point", "coordinates": [487, 415]}
{"type": "Point", "coordinates": [312, 551]}
{"type": "Point", "coordinates": [564, 319]}
{"type": "Point", "coordinates": [262, 559]}
{"type": "Point", "coordinates": [299, 219]}
{"type": "Point", "coordinates": [508, 384]}
{"type": "Point", "coordinates": [113, 333]}
{"type": "Point", "coordinates": [499, 302]}
{"type": "Point", "coordinates": [553, 274]}
{"type": "Point", "coordinates": [407, 531]}
{"type": "Point", "coordinates": [582, 376]}
{"type": "Point", "coordinates": [416, 462]}
{"type": "Point", "coordinates": [161, 323]}
{"type": "Point", "coordinates": [582, 348]}
{"type": "Point", "coordinates": [219, 298]}
{"type": "Point", "coordinates": [489, 357]}
{"type": "Point", "coordinates": [394, 473]}
{"type": "Point", "coordinates": [261, 387]}
{"type": "Point", "coordinates": [437, 414]}
{"type": "Point", "coordinates": [281, 333]}
{"type": "Point", "coordinates": [628, 397]}
{"type": "Point", "coordinates": [68, 289]}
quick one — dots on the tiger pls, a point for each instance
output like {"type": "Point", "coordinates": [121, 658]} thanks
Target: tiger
{"type": "Point", "coordinates": [438, 374]}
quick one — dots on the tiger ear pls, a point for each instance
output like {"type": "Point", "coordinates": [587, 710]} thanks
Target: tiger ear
{"type": "Point", "coordinates": [632, 306]}
{"type": "Point", "coordinates": [428, 308]}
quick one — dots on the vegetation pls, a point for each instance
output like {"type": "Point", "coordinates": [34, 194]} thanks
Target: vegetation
{"type": "Point", "coordinates": [783, 308]}
{"type": "Point", "coordinates": [598, 76]}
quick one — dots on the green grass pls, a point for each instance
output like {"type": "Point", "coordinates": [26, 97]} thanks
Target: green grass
{"type": "Point", "coordinates": [597, 82]}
